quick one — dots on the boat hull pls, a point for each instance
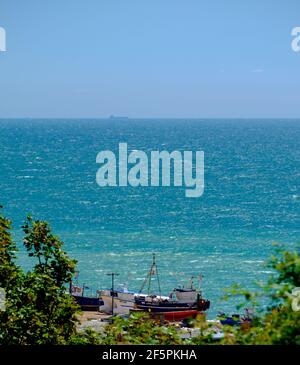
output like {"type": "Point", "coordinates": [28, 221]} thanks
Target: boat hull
{"type": "Point", "coordinates": [162, 309]}
{"type": "Point", "coordinates": [179, 316]}
{"type": "Point", "coordinates": [88, 303]}
{"type": "Point", "coordinates": [160, 306]}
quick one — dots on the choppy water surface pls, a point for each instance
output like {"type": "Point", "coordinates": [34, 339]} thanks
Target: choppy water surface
{"type": "Point", "coordinates": [251, 198]}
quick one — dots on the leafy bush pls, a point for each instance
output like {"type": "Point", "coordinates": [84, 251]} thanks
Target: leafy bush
{"type": "Point", "coordinates": [38, 309]}
{"type": "Point", "coordinates": [139, 329]}
{"type": "Point", "coordinates": [278, 324]}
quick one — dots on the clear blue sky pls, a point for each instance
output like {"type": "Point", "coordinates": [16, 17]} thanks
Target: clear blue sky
{"type": "Point", "coordinates": [149, 58]}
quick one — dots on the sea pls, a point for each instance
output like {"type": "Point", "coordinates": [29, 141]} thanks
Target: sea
{"type": "Point", "coordinates": [251, 199]}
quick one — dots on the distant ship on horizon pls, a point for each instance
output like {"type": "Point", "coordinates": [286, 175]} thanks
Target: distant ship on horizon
{"type": "Point", "coordinates": [118, 117]}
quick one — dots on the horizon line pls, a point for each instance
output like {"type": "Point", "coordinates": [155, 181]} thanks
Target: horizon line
{"type": "Point", "coordinates": [143, 118]}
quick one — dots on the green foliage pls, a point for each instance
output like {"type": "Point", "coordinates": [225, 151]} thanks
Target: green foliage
{"type": "Point", "coordinates": [8, 270]}
{"type": "Point", "coordinates": [47, 248]}
{"type": "Point", "coordinates": [86, 337]}
{"type": "Point", "coordinates": [206, 332]}
{"type": "Point", "coordinates": [139, 329]}
{"type": "Point", "coordinates": [38, 309]}
{"type": "Point", "coordinates": [278, 324]}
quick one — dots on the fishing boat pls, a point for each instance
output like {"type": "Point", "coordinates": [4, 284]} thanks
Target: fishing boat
{"type": "Point", "coordinates": [158, 304]}
{"type": "Point", "coordinates": [186, 302]}
{"type": "Point", "coordinates": [116, 301]}
{"type": "Point", "coordinates": [86, 303]}
{"type": "Point", "coordinates": [180, 300]}
{"type": "Point", "coordinates": [236, 319]}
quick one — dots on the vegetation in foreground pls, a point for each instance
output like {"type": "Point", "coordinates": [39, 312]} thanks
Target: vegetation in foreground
{"type": "Point", "coordinates": [40, 311]}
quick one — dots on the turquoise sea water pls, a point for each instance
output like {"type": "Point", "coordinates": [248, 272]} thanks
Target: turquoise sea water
{"type": "Point", "coordinates": [251, 198]}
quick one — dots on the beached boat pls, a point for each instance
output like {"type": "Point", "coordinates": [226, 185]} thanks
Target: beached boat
{"type": "Point", "coordinates": [236, 319]}
{"type": "Point", "coordinates": [122, 301]}
{"type": "Point", "coordinates": [86, 303]}
{"type": "Point", "coordinates": [116, 301]}
{"type": "Point", "coordinates": [181, 299]}
{"type": "Point", "coordinates": [119, 301]}
{"type": "Point", "coordinates": [158, 304]}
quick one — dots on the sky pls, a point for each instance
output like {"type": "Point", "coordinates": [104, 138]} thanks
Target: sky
{"type": "Point", "coordinates": [149, 59]}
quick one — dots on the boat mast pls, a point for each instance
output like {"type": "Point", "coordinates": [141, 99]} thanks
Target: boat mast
{"type": "Point", "coordinates": [153, 271]}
